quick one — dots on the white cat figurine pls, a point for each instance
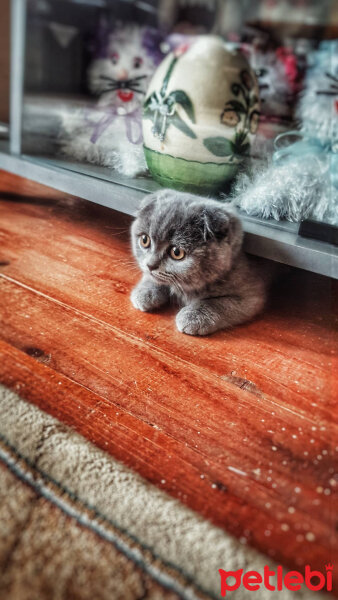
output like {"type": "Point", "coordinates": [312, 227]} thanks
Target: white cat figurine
{"type": "Point", "coordinates": [109, 131]}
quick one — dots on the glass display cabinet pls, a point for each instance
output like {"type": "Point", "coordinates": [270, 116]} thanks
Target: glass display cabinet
{"type": "Point", "coordinates": [93, 98]}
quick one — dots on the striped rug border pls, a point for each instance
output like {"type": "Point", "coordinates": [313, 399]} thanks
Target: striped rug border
{"type": "Point", "coordinates": [167, 574]}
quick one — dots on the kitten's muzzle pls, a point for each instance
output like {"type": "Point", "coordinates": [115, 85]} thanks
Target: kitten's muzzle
{"type": "Point", "coordinates": [153, 265]}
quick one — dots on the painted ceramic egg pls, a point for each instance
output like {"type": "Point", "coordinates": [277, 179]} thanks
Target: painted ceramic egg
{"type": "Point", "coordinates": [200, 115]}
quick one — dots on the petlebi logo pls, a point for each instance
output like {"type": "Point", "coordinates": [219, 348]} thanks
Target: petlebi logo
{"type": "Point", "coordinates": [277, 580]}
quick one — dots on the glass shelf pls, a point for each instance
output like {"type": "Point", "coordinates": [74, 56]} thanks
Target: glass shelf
{"type": "Point", "coordinates": [275, 240]}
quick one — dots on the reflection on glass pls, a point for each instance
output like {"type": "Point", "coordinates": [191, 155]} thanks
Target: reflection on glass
{"type": "Point", "coordinates": [89, 69]}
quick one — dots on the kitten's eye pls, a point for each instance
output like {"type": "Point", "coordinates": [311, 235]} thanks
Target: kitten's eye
{"type": "Point", "coordinates": [114, 58]}
{"type": "Point", "coordinates": [177, 253]}
{"type": "Point", "coordinates": [144, 241]}
{"type": "Point", "coordinates": [137, 62]}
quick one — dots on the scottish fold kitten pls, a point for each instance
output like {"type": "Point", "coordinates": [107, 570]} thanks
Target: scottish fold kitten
{"type": "Point", "coordinates": [190, 248]}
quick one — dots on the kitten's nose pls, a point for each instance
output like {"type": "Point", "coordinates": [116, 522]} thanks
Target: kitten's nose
{"type": "Point", "coordinates": [153, 266]}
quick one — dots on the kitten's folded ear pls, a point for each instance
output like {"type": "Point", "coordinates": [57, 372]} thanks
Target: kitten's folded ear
{"type": "Point", "coordinates": [149, 200]}
{"type": "Point", "coordinates": [221, 223]}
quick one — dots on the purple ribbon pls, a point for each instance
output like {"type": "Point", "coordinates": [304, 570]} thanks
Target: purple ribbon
{"type": "Point", "coordinates": [132, 120]}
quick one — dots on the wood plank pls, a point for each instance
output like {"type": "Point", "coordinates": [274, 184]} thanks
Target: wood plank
{"type": "Point", "coordinates": [239, 425]}
{"type": "Point", "coordinates": [252, 510]}
{"type": "Point", "coordinates": [302, 349]}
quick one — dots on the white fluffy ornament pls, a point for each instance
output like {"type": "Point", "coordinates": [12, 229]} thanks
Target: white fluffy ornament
{"type": "Point", "coordinates": [299, 189]}
{"type": "Point", "coordinates": [108, 132]}
{"type": "Point", "coordinates": [302, 179]}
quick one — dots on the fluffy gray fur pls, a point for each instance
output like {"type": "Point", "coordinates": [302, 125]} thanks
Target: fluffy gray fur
{"type": "Point", "coordinates": [215, 283]}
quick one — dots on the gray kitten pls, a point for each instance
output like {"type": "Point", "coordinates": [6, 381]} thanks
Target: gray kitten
{"type": "Point", "coordinates": [190, 248]}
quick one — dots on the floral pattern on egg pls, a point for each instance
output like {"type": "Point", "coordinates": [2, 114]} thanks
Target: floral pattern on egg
{"type": "Point", "coordinates": [242, 115]}
{"type": "Point", "coordinates": [161, 107]}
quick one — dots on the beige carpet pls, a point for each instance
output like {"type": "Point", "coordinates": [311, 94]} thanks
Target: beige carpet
{"type": "Point", "coordinates": [76, 524]}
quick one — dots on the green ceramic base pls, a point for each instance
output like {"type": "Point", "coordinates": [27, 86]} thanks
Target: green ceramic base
{"type": "Point", "coordinates": [189, 175]}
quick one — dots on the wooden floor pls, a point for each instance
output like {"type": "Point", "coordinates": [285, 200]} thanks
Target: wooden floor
{"type": "Point", "coordinates": [240, 426]}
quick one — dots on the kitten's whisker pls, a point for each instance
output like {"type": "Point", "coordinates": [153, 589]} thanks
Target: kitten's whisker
{"type": "Point", "coordinates": [177, 284]}
{"type": "Point", "coordinates": [128, 264]}
{"type": "Point", "coordinates": [122, 234]}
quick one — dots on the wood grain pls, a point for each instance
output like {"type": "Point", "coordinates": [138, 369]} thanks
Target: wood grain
{"type": "Point", "coordinates": [241, 426]}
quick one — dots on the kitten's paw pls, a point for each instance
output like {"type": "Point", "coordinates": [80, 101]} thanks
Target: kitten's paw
{"type": "Point", "coordinates": [147, 298]}
{"type": "Point", "coordinates": [194, 321]}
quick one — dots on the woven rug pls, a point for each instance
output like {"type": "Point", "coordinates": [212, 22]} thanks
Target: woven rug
{"type": "Point", "coordinates": [76, 524]}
